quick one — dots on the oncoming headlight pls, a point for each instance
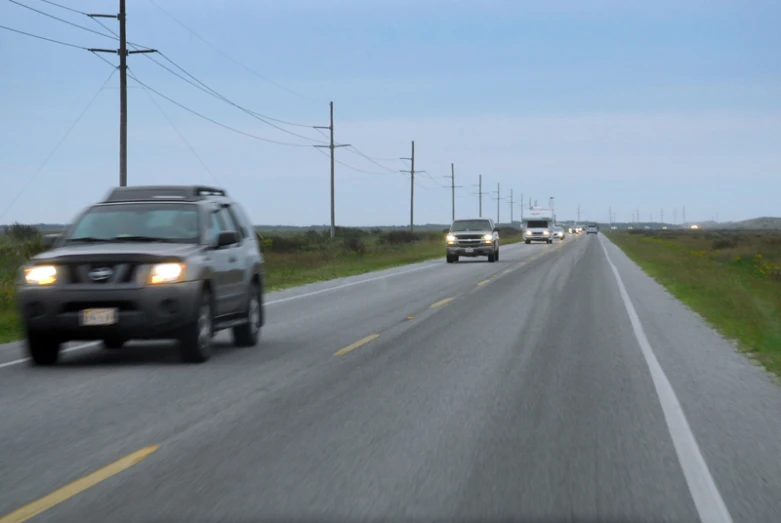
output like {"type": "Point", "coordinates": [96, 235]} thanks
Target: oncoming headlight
{"type": "Point", "coordinates": [488, 237]}
{"type": "Point", "coordinates": [166, 273]}
{"type": "Point", "coordinates": [451, 238]}
{"type": "Point", "coordinates": [546, 233]}
{"type": "Point", "coordinates": [40, 275]}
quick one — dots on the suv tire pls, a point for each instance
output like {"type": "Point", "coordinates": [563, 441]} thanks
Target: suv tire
{"type": "Point", "coordinates": [492, 257]}
{"type": "Point", "coordinates": [195, 340]}
{"type": "Point", "coordinates": [44, 349]}
{"type": "Point", "coordinates": [496, 256]}
{"type": "Point", "coordinates": [247, 335]}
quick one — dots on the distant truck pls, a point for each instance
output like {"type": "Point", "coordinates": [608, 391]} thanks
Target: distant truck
{"type": "Point", "coordinates": [538, 226]}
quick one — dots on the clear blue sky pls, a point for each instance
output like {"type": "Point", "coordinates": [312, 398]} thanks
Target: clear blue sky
{"type": "Point", "coordinates": [649, 105]}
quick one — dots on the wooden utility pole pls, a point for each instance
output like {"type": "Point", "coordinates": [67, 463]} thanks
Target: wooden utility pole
{"type": "Point", "coordinates": [453, 187]}
{"type": "Point", "coordinates": [412, 188]}
{"type": "Point", "coordinates": [511, 207]}
{"type": "Point", "coordinates": [123, 53]}
{"type": "Point", "coordinates": [332, 146]}
{"type": "Point", "coordinates": [480, 193]}
{"type": "Point", "coordinates": [498, 201]}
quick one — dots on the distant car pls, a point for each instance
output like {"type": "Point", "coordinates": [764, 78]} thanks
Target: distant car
{"type": "Point", "coordinates": [592, 229]}
{"type": "Point", "coordinates": [471, 238]}
{"type": "Point", "coordinates": [148, 262]}
{"type": "Point", "coordinates": [558, 232]}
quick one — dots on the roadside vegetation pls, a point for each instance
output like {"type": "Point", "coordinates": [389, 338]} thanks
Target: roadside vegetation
{"type": "Point", "coordinates": [291, 258]}
{"type": "Point", "coordinates": [731, 278]}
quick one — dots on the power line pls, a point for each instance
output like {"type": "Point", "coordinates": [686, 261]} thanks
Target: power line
{"type": "Point", "coordinates": [44, 38]}
{"type": "Point", "coordinates": [212, 92]}
{"type": "Point", "coordinates": [64, 7]}
{"type": "Point", "coordinates": [176, 130]}
{"type": "Point", "coordinates": [196, 113]}
{"type": "Point", "coordinates": [357, 151]}
{"type": "Point", "coordinates": [44, 13]}
{"type": "Point", "coordinates": [229, 57]}
{"type": "Point", "coordinates": [56, 147]}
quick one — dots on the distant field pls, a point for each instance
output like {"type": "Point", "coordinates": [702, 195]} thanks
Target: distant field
{"type": "Point", "coordinates": [731, 278]}
{"type": "Point", "coordinates": [291, 258]}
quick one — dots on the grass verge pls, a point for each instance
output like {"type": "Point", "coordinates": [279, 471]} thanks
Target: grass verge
{"type": "Point", "coordinates": [731, 278]}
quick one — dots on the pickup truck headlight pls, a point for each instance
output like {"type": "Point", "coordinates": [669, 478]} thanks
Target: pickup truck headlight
{"type": "Point", "coordinates": [40, 275]}
{"type": "Point", "coordinates": [488, 237]}
{"type": "Point", "coordinates": [545, 233]}
{"type": "Point", "coordinates": [166, 273]}
{"type": "Point", "coordinates": [451, 238]}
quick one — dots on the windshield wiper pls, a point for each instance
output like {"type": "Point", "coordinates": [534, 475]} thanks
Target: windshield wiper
{"type": "Point", "coordinates": [87, 239]}
{"type": "Point", "coordinates": [149, 239]}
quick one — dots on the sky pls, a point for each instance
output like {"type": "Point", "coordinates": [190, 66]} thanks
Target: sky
{"type": "Point", "coordinates": [611, 104]}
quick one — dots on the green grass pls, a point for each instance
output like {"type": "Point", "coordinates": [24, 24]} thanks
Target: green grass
{"type": "Point", "coordinates": [731, 278]}
{"type": "Point", "coordinates": [291, 259]}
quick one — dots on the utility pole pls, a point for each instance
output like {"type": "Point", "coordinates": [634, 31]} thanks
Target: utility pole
{"type": "Point", "coordinates": [511, 208]}
{"type": "Point", "coordinates": [498, 201]}
{"type": "Point", "coordinates": [684, 214]}
{"type": "Point", "coordinates": [332, 146]}
{"type": "Point", "coordinates": [521, 209]}
{"type": "Point", "coordinates": [123, 53]}
{"type": "Point", "coordinates": [411, 172]}
{"type": "Point", "coordinates": [480, 193]}
{"type": "Point", "coordinates": [578, 213]}
{"type": "Point", "coordinates": [661, 215]}
{"type": "Point", "coordinates": [453, 188]}
{"type": "Point", "coordinates": [610, 215]}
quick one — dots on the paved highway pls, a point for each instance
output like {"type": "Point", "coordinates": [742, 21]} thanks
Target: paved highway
{"type": "Point", "coordinates": [559, 384]}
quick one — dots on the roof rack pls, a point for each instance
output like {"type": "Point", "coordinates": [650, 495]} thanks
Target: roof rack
{"type": "Point", "coordinates": [140, 193]}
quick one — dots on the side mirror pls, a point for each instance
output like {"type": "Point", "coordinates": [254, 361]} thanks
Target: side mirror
{"type": "Point", "coordinates": [227, 238]}
{"type": "Point", "coordinates": [496, 229]}
{"type": "Point", "coordinates": [50, 239]}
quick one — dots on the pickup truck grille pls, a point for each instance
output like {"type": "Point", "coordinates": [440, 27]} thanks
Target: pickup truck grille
{"type": "Point", "coordinates": [470, 237]}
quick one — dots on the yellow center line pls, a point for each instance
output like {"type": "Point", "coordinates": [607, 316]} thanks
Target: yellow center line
{"type": "Point", "coordinates": [68, 491]}
{"type": "Point", "coordinates": [481, 283]}
{"type": "Point", "coordinates": [345, 350]}
{"type": "Point", "coordinates": [440, 303]}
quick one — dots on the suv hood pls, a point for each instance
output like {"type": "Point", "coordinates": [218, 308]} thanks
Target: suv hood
{"type": "Point", "coordinates": [120, 252]}
{"type": "Point", "coordinates": [460, 234]}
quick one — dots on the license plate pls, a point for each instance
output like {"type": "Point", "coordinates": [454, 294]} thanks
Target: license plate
{"type": "Point", "coordinates": [470, 251]}
{"type": "Point", "coordinates": [98, 317]}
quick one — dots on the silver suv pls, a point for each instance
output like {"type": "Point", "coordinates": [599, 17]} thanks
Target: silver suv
{"type": "Point", "coordinates": [147, 263]}
{"type": "Point", "coordinates": [473, 237]}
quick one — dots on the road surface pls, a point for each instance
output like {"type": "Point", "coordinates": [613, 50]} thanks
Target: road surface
{"type": "Point", "coordinates": [538, 388]}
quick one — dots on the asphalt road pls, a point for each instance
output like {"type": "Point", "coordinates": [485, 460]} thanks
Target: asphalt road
{"type": "Point", "coordinates": [538, 388]}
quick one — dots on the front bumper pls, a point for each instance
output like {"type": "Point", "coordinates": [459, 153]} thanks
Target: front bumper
{"type": "Point", "coordinates": [477, 250]}
{"type": "Point", "coordinates": [143, 312]}
{"type": "Point", "coordinates": [536, 238]}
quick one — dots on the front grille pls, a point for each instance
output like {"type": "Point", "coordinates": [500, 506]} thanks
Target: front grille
{"type": "Point", "coordinates": [470, 237]}
{"type": "Point", "coordinates": [119, 273]}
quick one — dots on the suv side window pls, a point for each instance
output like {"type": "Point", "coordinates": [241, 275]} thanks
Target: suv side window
{"type": "Point", "coordinates": [216, 226]}
{"type": "Point", "coordinates": [234, 217]}
{"type": "Point", "coordinates": [228, 220]}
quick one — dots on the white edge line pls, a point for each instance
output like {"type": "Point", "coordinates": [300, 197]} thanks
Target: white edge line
{"type": "Point", "coordinates": [69, 349]}
{"type": "Point", "coordinates": [702, 487]}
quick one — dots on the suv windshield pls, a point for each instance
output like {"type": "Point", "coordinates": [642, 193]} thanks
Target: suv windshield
{"type": "Point", "coordinates": [152, 222]}
{"type": "Point", "coordinates": [470, 225]}
{"type": "Point", "coordinates": [537, 224]}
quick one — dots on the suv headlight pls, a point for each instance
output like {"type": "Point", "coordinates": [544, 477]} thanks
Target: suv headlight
{"type": "Point", "coordinates": [166, 273]}
{"type": "Point", "coordinates": [451, 238]}
{"type": "Point", "coordinates": [40, 275]}
{"type": "Point", "coordinates": [488, 236]}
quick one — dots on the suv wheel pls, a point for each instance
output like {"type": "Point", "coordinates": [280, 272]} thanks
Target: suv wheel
{"type": "Point", "coordinates": [247, 335]}
{"type": "Point", "coordinates": [496, 256]}
{"type": "Point", "coordinates": [44, 350]}
{"type": "Point", "coordinates": [492, 257]}
{"type": "Point", "coordinates": [195, 341]}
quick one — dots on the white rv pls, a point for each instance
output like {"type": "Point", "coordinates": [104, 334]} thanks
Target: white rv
{"type": "Point", "coordinates": [538, 225]}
